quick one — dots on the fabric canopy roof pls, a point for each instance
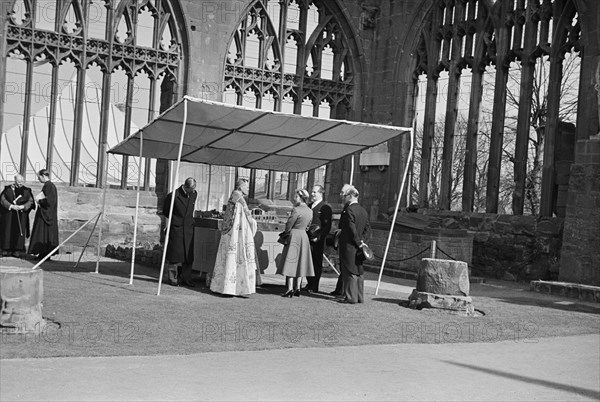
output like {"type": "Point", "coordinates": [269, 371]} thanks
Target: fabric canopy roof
{"type": "Point", "coordinates": [222, 134]}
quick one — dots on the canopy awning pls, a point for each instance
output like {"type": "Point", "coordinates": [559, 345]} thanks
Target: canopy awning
{"type": "Point", "coordinates": [222, 134]}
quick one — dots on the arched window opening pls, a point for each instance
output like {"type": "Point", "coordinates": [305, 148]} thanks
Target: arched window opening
{"type": "Point", "coordinates": [509, 90]}
{"type": "Point", "coordinates": [76, 104]}
{"type": "Point", "coordinates": [300, 61]}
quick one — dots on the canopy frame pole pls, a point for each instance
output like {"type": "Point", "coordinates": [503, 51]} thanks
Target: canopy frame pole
{"type": "Point", "coordinates": [351, 169]}
{"type": "Point", "coordinates": [137, 208]}
{"type": "Point", "coordinates": [64, 241]}
{"type": "Point", "coordinates": [331, 264]}
{"type": "Point", "coordinates": [164, 255]}
{"type": "Point", "coordinates": [87, 242]}
{"type": "Point", "coordinates": [387, 246]}
{"type": "Point", "coordinates": [104, 182]}
{"type": "Point", "coordinates": [208, 190]}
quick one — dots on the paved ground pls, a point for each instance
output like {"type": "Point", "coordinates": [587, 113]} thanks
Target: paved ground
{"type": "Point", "coordinates": [559, 368]}
{"type": "Point", "coordinates": [564, 369]}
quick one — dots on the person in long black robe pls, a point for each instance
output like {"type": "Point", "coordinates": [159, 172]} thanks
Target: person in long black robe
{"type": "Point", "coordinates": [44, 236]}
{"type": "Point", "coordinates": [16, 201]}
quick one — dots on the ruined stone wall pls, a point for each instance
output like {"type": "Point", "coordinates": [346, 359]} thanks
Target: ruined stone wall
{"type": "Point", "coordinates": [580, 261]}
{"type": "Point", "coordinates": [78, 204]}
{"type": "Point", "coordinates": [497, 246]}
{"type": "Point", "coordinates": [409, 246]}
{"type": "Point", "coordinates": [503, 246]}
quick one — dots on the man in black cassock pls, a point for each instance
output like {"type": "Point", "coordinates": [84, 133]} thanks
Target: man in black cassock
{"type": "Point", "coordinates": [16, 201]}
{"type": "Point", "coordinates": [44, 235]}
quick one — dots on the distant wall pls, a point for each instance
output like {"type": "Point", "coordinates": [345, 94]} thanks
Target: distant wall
{"type": "Point", "coordinates": [502, 246]}
{"type": "Point", "coordinates": [580, 261]}
{"type": "Point", "coordinates": [496, 246]}
{"type": "Point", "coordinates": [78, 204]}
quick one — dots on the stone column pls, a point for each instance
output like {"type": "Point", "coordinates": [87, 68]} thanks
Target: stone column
{"type": "Point", "coordinates": [21, 295]}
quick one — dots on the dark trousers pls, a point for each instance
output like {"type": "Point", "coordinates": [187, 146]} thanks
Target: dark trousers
{"type": "Point", "coordinates": [178, 273]}
{"type": "Point", "coordinates": [316, 250]}
{"type": "Point", "coordinates": [339, 286]}
{"type": "Point", "coordinates": [353, 287]}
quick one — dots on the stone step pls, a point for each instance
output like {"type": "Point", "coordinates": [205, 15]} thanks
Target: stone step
{"type": "Point", "coordinates": [567, 289]}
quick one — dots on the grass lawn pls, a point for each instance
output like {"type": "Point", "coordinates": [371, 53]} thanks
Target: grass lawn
{"type": "Point", "coordinates": [102, 315]}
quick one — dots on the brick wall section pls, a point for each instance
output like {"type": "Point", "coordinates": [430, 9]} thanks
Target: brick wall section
{"type": "Point", "coordinates": [495, 246]}
{"type": "Point", "coordinates": [580, 262]}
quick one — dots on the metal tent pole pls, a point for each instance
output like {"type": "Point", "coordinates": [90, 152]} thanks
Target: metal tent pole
{"type": "Point", "coordinates": [351, 169]}
{"type": "Point", "coordinates": [137, 208]}
{"type": "Point", "coordinates": [61, 244]}
{"type": "Point", "coordinates": [104, 187]}
{"type": "Point", "coordinates": [88, 241]}
{"type": "Point", "coordinates": [387, 246]}
{"type": "Point", "coordinates": [164, 256]}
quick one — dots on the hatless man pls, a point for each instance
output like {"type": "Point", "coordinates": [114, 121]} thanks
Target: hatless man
{"type": "Point", "coordinates": [354, 230]}
{"type": "Point", "coordinates": [16, 201]}
{"type": "Point", "coordinates": [322, 215]}
{"type": "Point", "coordinates": [180, 250]}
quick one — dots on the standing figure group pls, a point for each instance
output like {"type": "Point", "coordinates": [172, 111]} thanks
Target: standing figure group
{"type": "Point", "coordinates": [235, 270]}
{"type": "Point", "coordinates": [302, 254]}
{"type": "Point", "coordinates": [16, 202]}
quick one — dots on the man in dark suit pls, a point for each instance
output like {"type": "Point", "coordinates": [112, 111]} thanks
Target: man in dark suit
{"type": "Point", "coordinates": [16, 201]}
{"type": "Point", "coordinates": [180, 251]}
{"type": "Point", "coordinates": [354, 230]}
{"type": "Point", "coordinates": [322, 215]}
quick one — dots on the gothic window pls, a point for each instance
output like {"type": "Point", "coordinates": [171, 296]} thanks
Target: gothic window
{"type": "Point", "coordinates": [82, 75]}
{"type": "Point", "coordinates": [289, 56]}
{"type": "Point", "coordinates": [496, 87]}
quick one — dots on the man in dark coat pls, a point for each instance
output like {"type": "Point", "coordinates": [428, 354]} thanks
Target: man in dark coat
{"type": "Point", "coordinates": [354, 230]}
{"type": "Point", "coordinates": [180, 251]}
{"type": "Point", "coordinates": [44, 235]}
{"type": "Point", "coordinates": [16, 201]}
{"type": "Point", "coordinates": [322, 215]}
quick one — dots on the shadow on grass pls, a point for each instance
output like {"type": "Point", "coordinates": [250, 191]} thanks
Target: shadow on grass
{"type": "Point", "coordinates": [588, 393]}
{"type": "Point", "coordinates": [395, 301]}
{"type": "Point", "coordinates": [571, 305]}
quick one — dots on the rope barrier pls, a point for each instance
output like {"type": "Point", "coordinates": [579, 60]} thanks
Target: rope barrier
{"type": "Point", "coordinates": [409, 258]}
{"type": "Point", "coordinates": [446, 254]}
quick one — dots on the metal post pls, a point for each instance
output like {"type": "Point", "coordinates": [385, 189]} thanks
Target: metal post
{"type": "Point", "coordinates": [387, 246]}
{"type": "Point", "coordinates": [137, 208]}
{"type": "Point", "coordinates": [164, 255]}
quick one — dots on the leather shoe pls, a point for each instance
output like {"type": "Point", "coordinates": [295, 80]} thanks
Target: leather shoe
{"type": "Point", "coordinates": [334, 293]}
{"type": "Point", "coordinates": [345, 301]}
{"type": "Point", "coordinates": [173, 283]}
{"type": "Point", "coordinates": [188, 284]}
{"type": "Point", "coordinates": [307, 290]}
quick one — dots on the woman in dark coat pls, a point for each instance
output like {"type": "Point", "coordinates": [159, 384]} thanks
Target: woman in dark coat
{"type": "Point", "coordinates": [296, 260]}
{"type": "Point", "coordinates": [44, 236]}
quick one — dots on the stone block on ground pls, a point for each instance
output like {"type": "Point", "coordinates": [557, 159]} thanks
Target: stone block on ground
{"type": "Point", "coordinates": [21, 295]}
{"type": "Point", "coordinates": [443, 277]}
{"type": "Point", "coordinates": [459, 304]}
